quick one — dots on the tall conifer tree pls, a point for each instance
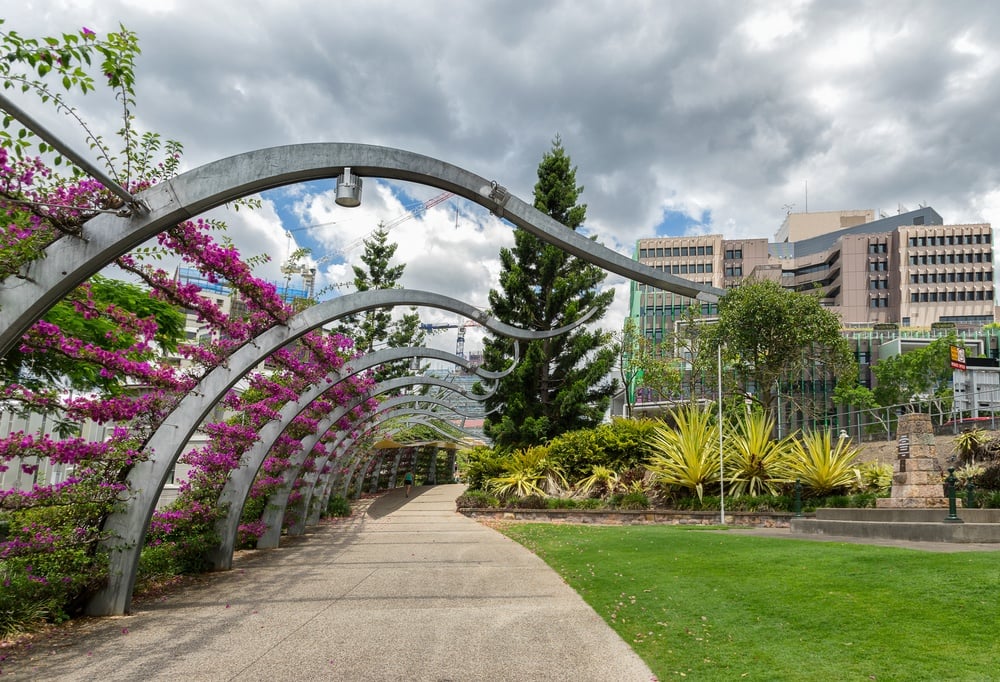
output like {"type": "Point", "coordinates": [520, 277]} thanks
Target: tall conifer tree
{"type": "Point", "coordinates": [375, 328]}
{"type": "Point", "coordinates": [563, 383]}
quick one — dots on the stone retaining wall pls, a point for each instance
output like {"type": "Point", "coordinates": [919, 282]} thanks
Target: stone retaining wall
{"type": "Point", "coordinates": [622, 517]}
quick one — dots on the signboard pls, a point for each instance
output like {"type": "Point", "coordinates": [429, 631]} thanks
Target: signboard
{"type": "Point", "coordinates": [957, 357]}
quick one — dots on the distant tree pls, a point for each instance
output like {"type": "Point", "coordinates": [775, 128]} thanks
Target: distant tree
{"type": "Point", "coordinates": [560, 384]}
{"type": "Point", "coordinates": [645, 365]}
{"type": "Point", "coordinates": [768, 332]}
{"type": "Point", "coordinates": [376, 327]}
{"type": "Point", "coordinates": [920, 375]}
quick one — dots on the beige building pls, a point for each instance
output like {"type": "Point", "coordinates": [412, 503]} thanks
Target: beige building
{"type": "Point", "coordinates": [909, 269]}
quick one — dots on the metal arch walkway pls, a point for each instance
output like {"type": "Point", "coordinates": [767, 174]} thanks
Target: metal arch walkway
{"type": "Point", "coordinates": [412, 591]}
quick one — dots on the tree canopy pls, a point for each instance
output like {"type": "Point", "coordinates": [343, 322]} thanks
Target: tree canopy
{"type": "Point", "coordinates": [767, 332]}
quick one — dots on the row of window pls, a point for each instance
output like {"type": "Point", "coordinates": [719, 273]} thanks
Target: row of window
{"type": "Point", "coordinates": [734, 254]}
{"type": "Point", "coordinates": [943, 258]}
{"type": "Point", "coordinates": [878, 284]}
{"type": "Point", "coordinates": [676, 251]}
{"type": "Point", "coordinates": [881, 247]}
{"type": "Point", "coordinates": [879, 302]}
{"type": "Point", "coordinates": [878, 266]}
{"type": "Point", "coordinates": [949, 240]}
{"type": "Point", "coordinates": [734, 271]}
{"type": "Point", "coordinates": [943, 296]}
{"type": "Point", "coordinates": [942, 277]}
{"type": "Point", "coordinates": [684, 268]}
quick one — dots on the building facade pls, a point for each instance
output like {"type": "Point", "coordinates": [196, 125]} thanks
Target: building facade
{"type": "Point", "coordinates": [909, 269]}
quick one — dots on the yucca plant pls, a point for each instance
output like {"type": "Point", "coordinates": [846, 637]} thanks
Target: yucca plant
{"type": "Point", "coordinates": [969, 444]}
{"type": "Point", "coordinates": [753, 458]}
{"type": "Point", "coordinates": [602, 478]}
{"type": "Point", "coordinates": [687, 456]}
{"type": "Point", "coordinates": [873, 477]}
{"type": "Point", "coordinates": [821, 465]}
{"type": "Point", "coordinates": [528, 472]}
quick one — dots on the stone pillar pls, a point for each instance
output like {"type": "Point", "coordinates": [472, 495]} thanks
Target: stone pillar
{"type": "Point", "coordinates": [916, 481]}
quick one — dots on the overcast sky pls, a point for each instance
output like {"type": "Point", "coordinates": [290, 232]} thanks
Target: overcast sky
{"type": "Point", "coordinates": [682, 117]}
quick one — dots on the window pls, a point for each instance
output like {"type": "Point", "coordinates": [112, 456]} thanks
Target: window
{"type": "Point", "coordinates": [708, 266]}
{"type": "Point", "coordinates": [684, 268]}
{"type": "Point", "coordinates": [912, 241]}
{"type": "Point", "coordinates": [676, 269]}
{"type": "Point", "coordinates": [701, 250]}
{"type": "Point", "coordinates": [642, 253]}
{"type": "Point", "coordinates": [738, 271]}
{"type": "Point", "coordinates": [684, 251]}
{"type": "Point", "coordinates": [708, 250]}
{"type": "Point", "coordinates": [701, 267]}
{"type": "Point", "coordinates": [913, 297]}
{"type": "Point", "coordinates": [913, 279]}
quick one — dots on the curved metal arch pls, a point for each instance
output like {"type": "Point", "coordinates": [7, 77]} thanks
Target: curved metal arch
{"type": "Point", "coordinates": [278, 502]}
{"type": "Point", "coordinates": [327, 484]}
{"type": "Point", "coordinates": [237, 486]}
{"type": "Point", "coordinates": [126, 529]}
{"type": "Point", "coordinates": [381, 416]}
{"type": "Point", "coordinates": [71, 261]}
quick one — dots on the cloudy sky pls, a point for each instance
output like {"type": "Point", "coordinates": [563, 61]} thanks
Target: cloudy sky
{"type": "Point", "coordinates": [682, 117]}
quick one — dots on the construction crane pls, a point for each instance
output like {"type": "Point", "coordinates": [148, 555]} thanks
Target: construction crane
{"type": "Point", "coordinates": [430, 328]}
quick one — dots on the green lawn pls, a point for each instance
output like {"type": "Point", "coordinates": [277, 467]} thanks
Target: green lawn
{"type": "Point", "coordinates": [724, 606]}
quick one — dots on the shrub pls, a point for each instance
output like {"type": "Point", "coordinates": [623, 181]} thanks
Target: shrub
{"type": "Point", "coordinates": [631, 500]}
{"type": "Point", "coordinates": [990, 500]}
{"type": "Point", "coordinates": [561, 503]}
{"type": "Point", "coordinates": [338, 506]}
{"type": "Point", "coordinates": [590, 503]}
{"type": "Point", "coordinates": [476, 499]}
{"type": "Point", "coordinates": [530, 502]}
{"type": "Point", "coordinates": [875, 477]}
{"type": "Point", "coordinates": [989, 479]}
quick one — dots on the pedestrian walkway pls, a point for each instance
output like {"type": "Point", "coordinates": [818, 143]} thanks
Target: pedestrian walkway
{"type": "Point", "coordinates": [408, 591]}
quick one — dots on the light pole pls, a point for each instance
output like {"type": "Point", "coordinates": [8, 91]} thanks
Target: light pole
{"type": "Point", "coordinates": [722, 480]}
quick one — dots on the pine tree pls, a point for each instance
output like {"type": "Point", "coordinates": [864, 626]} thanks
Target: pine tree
{"type": "Point", "coordinates": [376, 328]}
{"type": "Point", "coordinates": [563, 383]}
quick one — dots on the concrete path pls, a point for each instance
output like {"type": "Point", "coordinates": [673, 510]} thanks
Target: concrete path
{"type": "Point", "coordinates": [409, 591]}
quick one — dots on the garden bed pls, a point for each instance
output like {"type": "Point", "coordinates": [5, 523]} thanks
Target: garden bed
{"type": "Point", "coordinates": [625, 517]}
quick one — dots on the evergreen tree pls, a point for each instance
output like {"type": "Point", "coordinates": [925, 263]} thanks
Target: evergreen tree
{"type": "Point", "coordinates": [563, 383]}
{"type": "Point", "coordinates": [376, 328]}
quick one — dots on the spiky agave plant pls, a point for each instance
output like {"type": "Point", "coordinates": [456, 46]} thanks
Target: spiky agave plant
{"type": "Point", "coordinates": [754, 459]}
{"type": "Point", "coordinates": [820, 464]}
{"type": "Point", "coordinates": [686, 456]}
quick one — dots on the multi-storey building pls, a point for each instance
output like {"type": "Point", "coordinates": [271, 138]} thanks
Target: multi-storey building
{"type": "Point", "coordinates": [894, 276]}
{"type": "Point", "coordinates": [910, 269]}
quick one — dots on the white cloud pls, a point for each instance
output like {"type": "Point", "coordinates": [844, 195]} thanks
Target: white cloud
{"type": "Point", "coordinates": [729, 108]}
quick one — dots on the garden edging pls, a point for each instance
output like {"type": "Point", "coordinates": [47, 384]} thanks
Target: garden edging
{"type": "Point", "coordinates": [625, 517]}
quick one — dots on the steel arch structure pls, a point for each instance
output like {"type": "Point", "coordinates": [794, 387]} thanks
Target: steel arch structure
{"type": "Point", "coordinates": [70, 261]}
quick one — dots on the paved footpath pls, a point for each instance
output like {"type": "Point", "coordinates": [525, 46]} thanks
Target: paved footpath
{"type": "Point", "coordinates": [409, 591]}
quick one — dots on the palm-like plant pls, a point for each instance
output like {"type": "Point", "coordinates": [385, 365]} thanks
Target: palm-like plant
{"type": "Point", "coordinates": [528, 472]}
{"type": "Point", "coordinates": [687, 456]}
{"type": "Point", "coordinates": [754, 459]}
{"type": "Point", "coordinates": [968, 444]}
{"type": "Point", "coordinates": [601, 477]}
{"type": "Point", "coordinates": [820, 464]}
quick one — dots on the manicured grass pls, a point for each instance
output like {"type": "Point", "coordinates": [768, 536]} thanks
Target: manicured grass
{"type": "Point", "coordinates": [723, 606]}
